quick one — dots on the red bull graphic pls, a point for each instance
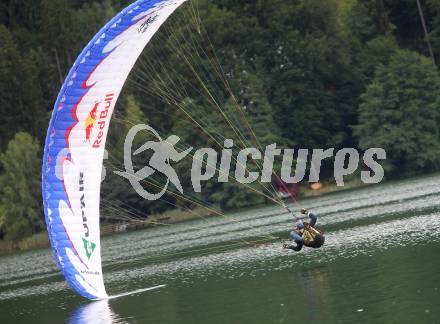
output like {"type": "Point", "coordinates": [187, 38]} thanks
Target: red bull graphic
{"type": "Point", "coordinates": [103, 120]}
{"type": "Point", "coordinates": [91, 122]}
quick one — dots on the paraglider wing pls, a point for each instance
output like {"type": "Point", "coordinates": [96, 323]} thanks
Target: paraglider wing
{"type": "Point", "coordinates": [76, 139]}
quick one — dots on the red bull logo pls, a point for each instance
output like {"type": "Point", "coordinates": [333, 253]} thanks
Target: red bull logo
{"type": "Point", "coordinates": [91, 122]}
{"type": "Point", "coordinates": [97, 120]}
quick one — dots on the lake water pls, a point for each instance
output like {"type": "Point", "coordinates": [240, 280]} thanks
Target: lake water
{"type": "Point", "coordinates": [380, 264]}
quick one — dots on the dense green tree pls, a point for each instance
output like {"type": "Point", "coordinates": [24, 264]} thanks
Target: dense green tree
{"type": "Point", "coordinates": [65, 30]}
{"type": "Point", "coordinates": [371, 55]}
{"type": "Point", "coordinates": [21, 17]}
{"type": "Point", "coordinates": [58, 29]}
{"type": "Point", "coordinates": [20, 100]}
{"type": "Point", "coordinates": [20, 187]}
{"type": "Point", "coordinates": [20, 14]}
{"type": "Point", "coordinates": [89, 19]}
{"type": "Point", "coordinates": [400, 113]}
{"type": "Point", "coordinates": [434, 31]}
{"type": "Point", "coordinates": [368, 19]}
{"type": "Point", "coordinates": [309, 70]}
{"type": "Point", "coordinates": [253, 114]}
{"type": "Point", "coordinates": [404, 15]}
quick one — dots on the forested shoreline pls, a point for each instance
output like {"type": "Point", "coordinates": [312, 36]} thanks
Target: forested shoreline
{"type": "Point", "coordinates": [308, 74]}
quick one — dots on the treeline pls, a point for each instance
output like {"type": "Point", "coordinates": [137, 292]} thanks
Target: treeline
{"type": "Point", "coordinates": [307, 73]}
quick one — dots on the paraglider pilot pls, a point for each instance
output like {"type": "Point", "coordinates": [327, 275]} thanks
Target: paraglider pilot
{"type": "Point", "coordinates": [305, 234]}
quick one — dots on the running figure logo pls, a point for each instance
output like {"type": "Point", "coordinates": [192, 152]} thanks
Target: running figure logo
{"type": "Point", "coordinates": [163, 153]}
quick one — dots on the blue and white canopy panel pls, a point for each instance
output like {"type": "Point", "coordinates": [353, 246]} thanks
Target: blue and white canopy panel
{"type": "Point", "coordinates": [76, 139]}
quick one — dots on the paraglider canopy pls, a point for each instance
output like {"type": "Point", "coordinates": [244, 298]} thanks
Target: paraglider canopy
{"type": "Point", "coordinates": [76, 139]}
